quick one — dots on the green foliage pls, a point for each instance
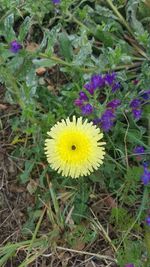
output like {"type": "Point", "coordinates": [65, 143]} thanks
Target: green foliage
{"type": "Point", "coordinates": [62, 47]}
{"type": "Point", "coordinates": [129, 194]}
{"type": "Point", "coordinates": [80, 235]}
{"type": "Point", "coordinates": [122, 219]}
{"type": "Point", "coordinates": [131, 253]}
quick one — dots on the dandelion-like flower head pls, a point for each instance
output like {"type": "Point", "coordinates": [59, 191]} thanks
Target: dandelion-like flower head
{"type": "Point", "coordinates": [74, 147]}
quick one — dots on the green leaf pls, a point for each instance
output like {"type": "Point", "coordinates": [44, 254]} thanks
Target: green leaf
{"type": "Point", "coordinates": [43, 62]}
{"type": "Point", "coordinates": [106, 37]}
{"type": "Point", "coordinates": [65, 46]}
{"type": "Point", "coordinates": [8, 28]}
{"type": "Point", "coordinates": [25, 176]}
{"type": "Point", "coordinates": [132, 7]}
{"type": "Point", "coordinates": [24, 28]}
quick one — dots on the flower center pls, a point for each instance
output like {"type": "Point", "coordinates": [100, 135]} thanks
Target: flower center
{"type": "Point", "coordinates": [73, 147]}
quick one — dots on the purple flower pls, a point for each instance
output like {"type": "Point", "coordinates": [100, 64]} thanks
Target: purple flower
{"type": "Point", "coordinates": [137, 113]}
{"type": "Point", "coordinates": [78, 102]}
{"type": "Point", "coordinates": [129, 265]}
{"type": "Point", "coordinates": [146, 176]}
{"type": "Point", "coordinates": [15, 46]}
{"type": "Point", "coordinates": [114, 103]}
{"type": "Point", "coordinates": [145, 164]}
{"type": "Point", "coordinates": [83, 96]}
{"type": "Point", "coordinates": [107, 120]}
{"type": "Point", "coordinates": [148, 220]}
{"type": "Point", "coordinates": [135, 103]}
{"type": "Point", "coordinates": [55, 2]}
{"type": "Point", "coordinates": [145, 94]}
{"type": "Point", "coordinates": [89, 88]}
{"type": "Point", "coordinates": [96, 121]}
{"type": "Point", "coordinates": [97, 81]}
{"type": "Point", "coordinates": [139, 150]}
{"type": "Point", "coordinates": [110, 78]}
{"type": "Point", "coordinates": [87, 109]}
{"type": "Point", "coordinates": [116, 86]}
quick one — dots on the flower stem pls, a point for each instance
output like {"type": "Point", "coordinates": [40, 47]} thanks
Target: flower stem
{"type": "Point", "coordinates": [120, 17]}
{"type": "Point", "coordinates": [124, 22]}
{"type": "Point", "coordinates": [87, 70]}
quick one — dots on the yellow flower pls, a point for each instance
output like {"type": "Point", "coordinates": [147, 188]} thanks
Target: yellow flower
{"type": "Point", "coordinates": [74, 148]}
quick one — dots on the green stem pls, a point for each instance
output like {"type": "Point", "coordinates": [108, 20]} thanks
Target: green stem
{"type": "Point", "coordinates": [121, 18]}
{"type": "Point", "coordinates": [57, 60]}
{"type": "Point", "coordinates": [122, 168]}
{"type": "Point", "coordinates": [123, 21]}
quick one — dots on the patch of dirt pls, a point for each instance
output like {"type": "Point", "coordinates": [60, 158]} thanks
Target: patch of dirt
{"type": "Point", "coordinates": [14, 198]}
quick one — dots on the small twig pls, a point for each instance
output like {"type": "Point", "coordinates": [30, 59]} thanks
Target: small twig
{"type": "Point", "coordinates": [69, 215]}
{"type": "Point", "coordinates": [103, 257]}
{"type": "Point", "coordinates": [101, 228]}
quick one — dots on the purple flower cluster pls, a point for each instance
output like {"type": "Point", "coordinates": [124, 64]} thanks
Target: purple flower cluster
{"type": "Point", "coordinates": [15, 47]}
{"type": "Point", "coordinates": [114, 103]}
{"type": "Point", "coordinates": [145, 94]}
{"type": "Point", "coordinates": [139, 150]}
{"type": "Point", "coordinates": [106, 121]}
{"type": "Point", "coordinates": [146, 175]}
{"type": "Point", "coordinates": [82, 103]}
{"type": "Point", "coordinates": [136, 104]}
{"type": "Point", "coordinates": [87, 109]}
{"type": "Point", "coordinates": [100, 81]}
{"type": "Point", "coordinates": [97, 81]}
{"type": "Point", "coordinates": [147, 220]}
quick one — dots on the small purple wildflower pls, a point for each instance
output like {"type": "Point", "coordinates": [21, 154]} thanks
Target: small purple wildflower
{"type": "Point", "coordinates": [114, 103]}
{"type": "Point", "coordinates": [107, 120]}
{"type": "Point", "coordinates": [137, 113]}
{"type": "Point", "coordinates": [129, 265]}
{"type": "Point", "coordinates": [15, 46]}
{"type": "Point", "coordinates": [135, 103]}
{"type": "Point", "coordinates": [56, 2]}
{"type": "Point", "coordinates": [110, 78]}
{"type": "Point", "coordinates": [116, 86]}
{"type": "Point", "coordinates": [78, 102]}
{"type": "Point", "coordinates": [83, 96]}
{"type": "Point", "coordinates": [145, 164]}
{"type": "Point", "coordinates": [139, 150]}
{"type": "Point", "coordinates": [145, 94]}
{"type": "Point", "coordinates": [97, 81]}
{"type": "Point", "coordinates": [87, 109]}
{"type": "Point", "coordinates": [146, 176]}
{"type": "Point", "coordinates": [89, 88]}
{"type": "Point", "coordinates": [148, 220]}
